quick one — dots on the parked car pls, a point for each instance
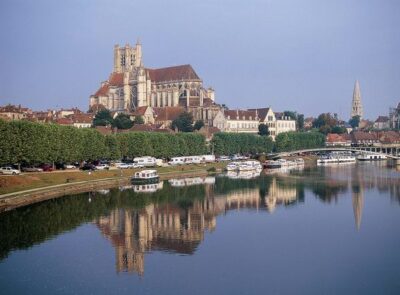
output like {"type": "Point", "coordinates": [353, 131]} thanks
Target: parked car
{"type": "Point", "coordinates": [69, 166]}
{"type": "Point", "coordinates": [102, 167]}
{"type": "Point", "coordinates": [32, 169]}
{"type": "Point", "coordinates": [123, 166]}
{"type": "Point", "coordinates": [9, 171]}
{"type": "Point", "coordinates": [88, 166]}
{"type": "Point", "coordinates": [47, 167]}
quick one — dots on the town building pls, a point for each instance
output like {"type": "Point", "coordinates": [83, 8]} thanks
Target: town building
{"type": "Point", "coordinates": [239, 121]}
{"type": "Point", "coordinates": [277, 122]}
{"type": "Point", "coordinates": [12, 112]}
{"type": "Point", "coordinates": [356, 106]}
{"type": "Point", "coordinates": [131, 85]}
{"type": "Point", "coordinates": [382, 123]}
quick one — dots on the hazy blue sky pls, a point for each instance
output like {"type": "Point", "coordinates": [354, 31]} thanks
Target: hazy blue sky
{"type": "Point", "coordinates": [287, 54]}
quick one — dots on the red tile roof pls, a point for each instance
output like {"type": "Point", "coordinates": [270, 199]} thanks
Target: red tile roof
{"type": "Point", "coordinates": [233, 114]}
{"type": "Point", "coordinates": [262, 112]}
{"type": "Point", "coordinates": [116, 79]}
{"type": "Point", "coordinates": [167, 113]}
{"type": "Point", "coordinates": [64, 121]}
{"type": "Point", "coordinates": [140, 111]}
{"type": "Point", "coordinates": [103, 90]}
{"type": "Point", "coordinates": [334, 138]}
{"type": "Point", "coordinates": [176, 73]}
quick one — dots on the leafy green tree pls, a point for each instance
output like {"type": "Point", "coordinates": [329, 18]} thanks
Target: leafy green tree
{"type": "Point", "coordinates": [232, 143]}
{"type": "Point", "coordinates": [338, 130]}
{"type": "Point", "coordinates": [289, 141]}
{"type": "Point", "coordinates": [300, 122]}
{"type": "Point", "coordinates": [123, 121]}
{"type": "Point", "coordinates": [263, 130]}
{"type": "Point", "coordinates": [198, 125]}
{"type": "Point", "coordinates": [138, 120]}
{"type": "Point", "coordinates": [292, 115]}
{"type": "Point", "coordinates": [183, 123]}
{"type": "Point", "coordinates": [355, 121]}
{"type": "Point", "coordinates": [325, 122]}
{"type": "Point", "coordinates": [103, 118]}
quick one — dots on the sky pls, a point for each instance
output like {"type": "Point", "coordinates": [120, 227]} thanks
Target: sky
{"type": "Point", "coordinates": [285, 54]}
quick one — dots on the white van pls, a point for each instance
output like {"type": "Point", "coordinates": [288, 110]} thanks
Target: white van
{"type": "Point", "coordinates": [208, 158]}
{"type": "Point", "coordinates": [145, 161]}
{"type": "Point", "coordinates": [177, 161]}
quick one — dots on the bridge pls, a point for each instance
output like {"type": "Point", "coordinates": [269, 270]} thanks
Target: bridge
{"type": "Point", "coordinates": [389, 152]}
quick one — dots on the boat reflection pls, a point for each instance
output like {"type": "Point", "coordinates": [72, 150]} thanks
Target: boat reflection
{"type": "Point", "coordinates": [243, 174]}
{"type": "Point", "coordinates": [188, 181]}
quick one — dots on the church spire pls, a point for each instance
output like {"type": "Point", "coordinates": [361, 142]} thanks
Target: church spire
{"type": "Point", "coordinates": [356, 108]}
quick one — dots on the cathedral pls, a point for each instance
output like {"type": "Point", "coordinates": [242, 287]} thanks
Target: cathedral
{"type": "Point", "coordinates": [131, 85]}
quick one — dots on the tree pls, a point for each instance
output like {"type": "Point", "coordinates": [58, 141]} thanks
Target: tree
{"type": "Point", "coordinates": [325, 122]}
{"type": "Point", "coordinates": [103, 118]}
{"type": "Point", "coordinates": [198, 124]}
{"type": "Point", "coordinates": [263, 130]}
{"type": "Point", "coordinates": [123, 121]}
{"type": "Point", "coordinates": [355, 121]}
{"type": "Point", "coordinates": [300, 121]}
{"type": "Point", "coordinates": [292, 115]}
{"type": "Point", "coordinates": [183, 123]}
{"type": "Point", "coordinates": [138, 120]}
{"type": "Point", "coordinates": [338, 130]}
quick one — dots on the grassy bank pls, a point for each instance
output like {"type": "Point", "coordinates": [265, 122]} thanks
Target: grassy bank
{"type": "Point", "coordinates": [26, 181]}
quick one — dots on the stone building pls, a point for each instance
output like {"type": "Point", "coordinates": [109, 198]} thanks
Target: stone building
{"type": "Point", "coordinates": [239, 121]}
{"type": "Point", "coordinates": [132, 85]}
{"type": "Point", "coordinates": [277, 122]}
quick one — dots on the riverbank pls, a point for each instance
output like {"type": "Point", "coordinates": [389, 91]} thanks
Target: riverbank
{"type": "Point", "coordinates": [29, 188]}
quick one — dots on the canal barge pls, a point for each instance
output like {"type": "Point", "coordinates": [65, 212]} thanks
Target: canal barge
{"type": "Point", "coordinates": [370, 157]}
{"type": "Point", "coordinates": [145, 176]}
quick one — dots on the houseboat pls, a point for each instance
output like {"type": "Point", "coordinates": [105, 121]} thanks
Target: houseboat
{"type": "Point", "coordinates": [271, 164]}
{"type": "Point", "coordinates": [145, 176]}
{"type": "Point", "coordinates": [336, 159]}
{"type": "Point", "coordinates": [249, 165]}
{"type": "Point", "coordinates": [370, 157]}
{"type": "Point", "coordinates": [232, 166]}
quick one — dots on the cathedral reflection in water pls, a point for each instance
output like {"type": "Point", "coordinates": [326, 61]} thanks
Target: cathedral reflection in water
{"type": "Point", "coordinates": [174, 228]}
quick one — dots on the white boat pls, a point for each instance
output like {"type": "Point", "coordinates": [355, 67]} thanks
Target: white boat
{"type": "Point", "coordinates": [370, 157]}
{"type": "Point", "coordinates": [271, 164]}
{"type": "Point", "coordinates": [249, 165]}
{"type": "Point", "coordinates": [336, 159]}
{"type": "Point", "coordinates": [145, 176]}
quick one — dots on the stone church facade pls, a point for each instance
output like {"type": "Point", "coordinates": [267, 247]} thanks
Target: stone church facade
{"type": "Point", "coordinates": [131, 85]}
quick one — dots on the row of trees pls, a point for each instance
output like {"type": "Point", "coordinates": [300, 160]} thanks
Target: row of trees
{"type": "Point", "coordinates": [34, 143]}
{"type": "Point", "coordinates": [290, 141]}
{"type": "Point", "coordinates": [233, 143]}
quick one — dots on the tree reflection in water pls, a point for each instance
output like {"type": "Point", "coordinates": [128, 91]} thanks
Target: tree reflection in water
{"type": "Point", "coordinates": [175, 219]}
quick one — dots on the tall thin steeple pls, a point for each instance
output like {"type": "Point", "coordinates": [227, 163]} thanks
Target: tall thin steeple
{"type": "Point", "coordinates": [356, 107]}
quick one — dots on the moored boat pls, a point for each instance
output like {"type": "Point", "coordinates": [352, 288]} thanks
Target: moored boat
{"type": "Point", "coordinates": [336, 159]}
{"type": "Point", "coordinates": [271, 164]}
{"type": "Point", "coordinates": [145, 176]}
{"type": "Point", "coordinates": [370, 157]}
{"type": "Point", "coordinates": [249, 165]}
{"type": "Point", "coordinates": [232, 166]}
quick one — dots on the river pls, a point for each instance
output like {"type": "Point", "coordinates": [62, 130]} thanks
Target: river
{"type": "Point", "coordinates": [321, 230]}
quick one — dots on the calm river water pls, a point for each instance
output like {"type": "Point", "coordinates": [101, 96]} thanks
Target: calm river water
{"type": "Point", "coordinates": [325, 230]}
